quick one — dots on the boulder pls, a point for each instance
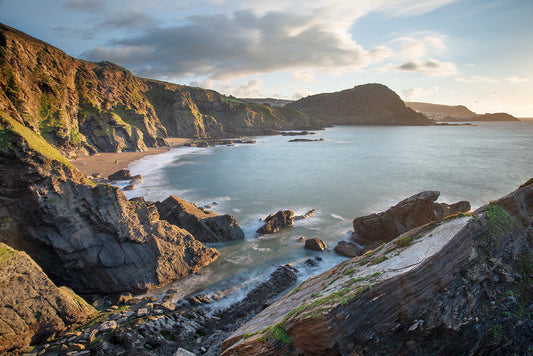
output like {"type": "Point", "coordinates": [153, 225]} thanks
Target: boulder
{"type": "Point", "coordinates": [90, 237]}
{"type": "Point", "coordinates": [315, 244]}
{"type": "Point", "coordinates": [306, 215]}
{"type": "Point", "coordinates": [204, 225]}
{"type": "Point", "coordinates": [348, 249]}
{"type": "Point", "coordinates": [32, 307]}
{"type": "Point", "coordinates": [123, 174]}
{"type": "Point", "coordinates": [412, 212]}
{"type": "Point", "coordinates": [276, 222]}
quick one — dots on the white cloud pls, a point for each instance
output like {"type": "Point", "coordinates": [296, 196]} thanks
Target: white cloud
{"type": "Point", "coordinates": [417, 45]}
{"type": "Point", "coordinates": [516, 79]}
{"type": "Point", "coordinates": [477, 79]}
{"type": "Point", "coordinates": [430, 67]}
{"type": "Point", "coordinates": [414, 93]}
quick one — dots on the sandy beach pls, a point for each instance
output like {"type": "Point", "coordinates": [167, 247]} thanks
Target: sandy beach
{"type": "Point", "coordinates": [106, 163]}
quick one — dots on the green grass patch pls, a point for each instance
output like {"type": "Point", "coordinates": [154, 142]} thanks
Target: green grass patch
{"type": "Point", "coordinates": [6, 254]}
{"type": "Point", "coordinates": [403, 241]}
{"type": "Point", "coordinates": [378, 260]}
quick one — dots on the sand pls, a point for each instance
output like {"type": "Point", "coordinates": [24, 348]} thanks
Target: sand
{"type": "Point", "coordinates": [108, 163]}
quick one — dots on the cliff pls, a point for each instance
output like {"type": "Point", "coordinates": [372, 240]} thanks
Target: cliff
{"type": "Point", "coordinates": [88, 237]}
{"type": "Point", "coordinates": [82, 107]}
{"type": "Point", "coordinates": [32, 307]}
{"type": "Point", "coordinates": [369, 104]}
{"type": "Point", "coordinates": [460, 286]}
{"type": "Point", "coordinates": [440, 112]}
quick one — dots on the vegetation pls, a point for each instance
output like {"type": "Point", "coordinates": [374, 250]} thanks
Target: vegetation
{"type": "Point", "coordinates": [403, 241]}
{"type": "Point", "coordinates": [5, 223]}
{"type": "Point", "coordinates": [6, 254]}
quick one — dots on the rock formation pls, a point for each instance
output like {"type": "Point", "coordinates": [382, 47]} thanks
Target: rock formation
{"type": "Point", "coordinates": [32, 308]}
{"type": "Point", "coordinates": [88, 237]}
{"type": "Point", "coordinates": [82, 107]}
{"type": "Point", "coordinates": [412, 212]}
{"type": "Point", "coordinates": [347, 249]}
{"type": "Point", "coordinates": [122, 174]}
{"type": "Point", "coordinates": [315, 244]}
{"type": "Point", "coordinates": [276, 222]}
{"type": "Point", "coordinates": [369, 104]}
{"type": "Point", "coordinates": [460, 286]}
{"type": "Point", "coordinates": [204, 225]}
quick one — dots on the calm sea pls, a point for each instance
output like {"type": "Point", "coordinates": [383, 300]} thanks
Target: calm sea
{"type": "Point", "coordinates": [356, 171]}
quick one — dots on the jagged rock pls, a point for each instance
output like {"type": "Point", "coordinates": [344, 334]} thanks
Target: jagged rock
{"type": "Point", "coordinates": [88, 237]}
{"type": "Point", "coordinates": [306, 140]}
{"type": "Point", "coordinates": [205, 226]}
{"type": "Point", "coordinates": [107, 326]}
{"type": "Point", "coordinates": [130, 187]}
{"type": "Point", "coordinates": [198, 300]}
{"type": "Point", "coordinates": [168, 306]}
{"type": "Point", "coordinates": [273, 223]}
{"type": "Point", "coordinates": [183, 352]}
{"type": "Point", "coordinates": [412, 212]}
{"type": "Point", "coordinates": [123, 174]}
{"type": "Point", "coordinates": [124, 298]}
{"type": "Point", "coordinates": [315, 244]}
{"type": "Point", "coordinates": [138, 179]}
{"type": "Point", "coordinates": [306, 215]}
{"type": "Point", "coordinates": [442, 289]}
{"type": "Point", "coordinates": [32, 308]}
{"type": "Point", "coordinates": [348, 249]}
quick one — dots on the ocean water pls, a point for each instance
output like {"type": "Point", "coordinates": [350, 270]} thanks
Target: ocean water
{"type": "Point", "coordinates": [356, 171]}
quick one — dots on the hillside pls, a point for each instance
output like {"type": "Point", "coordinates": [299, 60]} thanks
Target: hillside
{"type": "Point", "coordinates": [82, 107]}
{"type": "Point", "coordinates": [267, 101]}
{"type": "Point", "coordinates": [438, 111]}
{"type": "Point", "coordinates": [500, 116]}
{"type": "Point", "coordinates": [369, 104]}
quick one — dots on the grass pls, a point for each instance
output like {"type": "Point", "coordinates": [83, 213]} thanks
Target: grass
{"type": "Point", "coordinates": [403, 241]}
{"type": "Point", "coordinates": [6, 254]}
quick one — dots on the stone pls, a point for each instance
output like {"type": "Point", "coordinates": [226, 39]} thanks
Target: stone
{"type": "Point", "coordinates": [412, 212]}
{"type": "Point", "coordinates": [77, 347]}
{"type": "Point", "coordinates": [96, 175]}
{"type": "Point", "coordinates": [141, 312]}
{"type": "Point", "coordinates": [169, 306]}
{"type": "Point", "coordinates": [107, 326]}
{"type": "Point", "coordinates": [92, 335]}
{"type": "Point", "coordinates": [315, 244]}
{"type": "Point", "coordinates": [130, 187]}
{"type": "Point", "coordinates": [182, 352]}
{"type": "Point", "coordinates": [124, 298]}
{"type": "Point", "coordinates": [348, 249]}
{"type": "Point", "coordinates": [199, 299]}
{"type": "Point", "coordinates": [274, 223]}
{"type": "Point", "coordinates": [133, 301]}
{"type": "Point", "coordinates": [306, 215]}
{"type": "Point", "coordinates": [204, 225]}
{"type": "Point", "coordinates": [123, 174]}
{"type": "Point", "coordinates": [138, 179]}
{"type": "Point", "coordinates": [32, 307]}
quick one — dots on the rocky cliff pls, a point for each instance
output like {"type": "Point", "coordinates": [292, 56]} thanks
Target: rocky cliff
{"type": "Point", "coordinates": [369, 104]}
{"type": "Point", "coordinates": [88, 237]}
{"type": "Point", "coordinates": [32, 308]}
{"type": "Point", "coordinates": [459, 286]}
{"type": "Point", "coordinates": [82, 107]}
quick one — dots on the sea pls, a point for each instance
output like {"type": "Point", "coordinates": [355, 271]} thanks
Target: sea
{"type": "Point", "coordinates": [354, 171]}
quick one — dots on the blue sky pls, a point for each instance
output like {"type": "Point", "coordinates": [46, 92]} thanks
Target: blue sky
{"type": "Point", "coordinates": [456, 52]}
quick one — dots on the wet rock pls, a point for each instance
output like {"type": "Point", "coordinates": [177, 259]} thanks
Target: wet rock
{"type": "Point", "coordinates": [107, 326]}
{"type": "Point", "coordinates": [130, 187]}
{"type": "Point", "coordinates": [123, 174]}
{"type": "Point", "coordinates": [306, 215]}
{"type": "Point", "coordinates": [348, 249]}
{"type": "Point", "coordinates": [315, 244]}
{"type": "Point", "coordinates": [199, 299]}
{"type": "Point", "coordinates": [274, 223]}
{"type": "Point", "coordinates": [204, 225]}
{"type": "Point", "coordinates": [169, 306]}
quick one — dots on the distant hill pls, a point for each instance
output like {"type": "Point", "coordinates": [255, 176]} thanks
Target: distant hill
{"type": "Point", "coordinates": [267, 101]}
{"type": "Point", "coordinates": [500, 116]}
{"type": "Point", "coordinates": [369, 104]}
{"type": "Point", "coordinates": [82, 107]}
{"type": "Point", "coordinates": [439, 112]}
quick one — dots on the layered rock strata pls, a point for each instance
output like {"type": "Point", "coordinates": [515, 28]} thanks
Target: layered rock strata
{"type": "Point", "coordinates": [460, 286]}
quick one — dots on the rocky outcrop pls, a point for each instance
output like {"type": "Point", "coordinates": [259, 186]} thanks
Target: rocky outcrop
{"type": "Point", "coordinates": [460, 286]}
{"type": "Point", "coordinates": [348, 249]}
{"type": "Point", "coordinates": [275, 222]}
{"type": "Point", "coordinates": [412, 212]}
{"type": "Point", "coordinates": [85, 236]}
{"type": "Point", "coordinates": [204, 225]}
{"type": "Point", "coordinates": [369, 104]}
{"type": "Point", "coordinates": [315, 244]}
{"type": "Point", "coordinates": [123, 174]}
{"type": "Point", "coordinates": [500, 116]}
{"type": "Point", "coordinates": [82, 107]}
{"type": "Point", "coordinates": [32, 307]}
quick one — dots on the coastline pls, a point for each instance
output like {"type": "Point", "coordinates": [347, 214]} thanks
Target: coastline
{"type": "Point", "coordinates": [106, 163]}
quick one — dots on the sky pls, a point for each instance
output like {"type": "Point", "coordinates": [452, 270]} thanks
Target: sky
{"type": "Point", "coordinates": [477, 53]}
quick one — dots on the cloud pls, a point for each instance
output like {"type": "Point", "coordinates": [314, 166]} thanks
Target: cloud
{"type": "Point", "coordinates": [516, 79]}
{"type": "Point", "coordinates": [477, 79]}
{"type": "Point", "coordinates": [94, 6]}
{"type": "Point", "coordinates": [227, 47]}
{"type": "Point", "coordinates": [413, 93]}
{"type": "Point", "coordinates": [430, 67]}
{"type": "Point", "coordinates": [417, 45]}
{"type": "Point", "coordinates": [127, 18]}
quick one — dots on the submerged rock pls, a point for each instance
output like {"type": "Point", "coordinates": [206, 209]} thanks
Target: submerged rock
{"type": "Point", "coordinates": [32, 308]}
{"type": "Point", "coordinates": [273, 223]}
{"type": "Point", "coordinates": [204, 225]}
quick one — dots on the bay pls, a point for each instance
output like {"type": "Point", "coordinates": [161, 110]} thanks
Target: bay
{"type": "Point", "coordinates": [356, 170]}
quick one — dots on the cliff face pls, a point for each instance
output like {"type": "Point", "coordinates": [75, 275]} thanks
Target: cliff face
{"type": "Point", "coordinates": [460, 286]}
{"type": "Point", "coordinates": [32, 308]}
{"type": "Point", "coordinates": [90, 238]}
{"type": "Point", "coordinates": [369, 104]}
{"type": "Point", "coordinates": [82, 107]}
